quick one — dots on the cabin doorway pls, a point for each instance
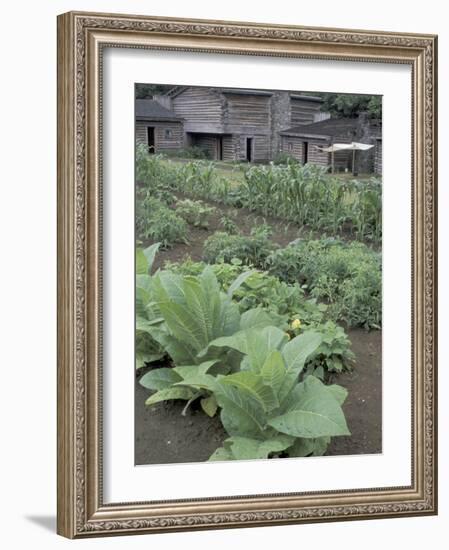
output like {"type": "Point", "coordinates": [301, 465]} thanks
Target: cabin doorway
{"type": "Point", "coordinates": [150, 140]}
{"type": "Point", "coordinates": [305, 152]}
{"type": "Point", "coordinates": [249, 149]}
{"type": "Point", "coordinates": [220, 148]}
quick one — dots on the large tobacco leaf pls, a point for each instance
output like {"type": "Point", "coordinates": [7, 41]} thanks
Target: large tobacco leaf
{"type": "Point", "coordinates": [311, 411]}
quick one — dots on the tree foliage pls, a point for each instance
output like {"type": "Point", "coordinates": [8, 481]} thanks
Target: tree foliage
{"type": "Point", "coordinates": [147, 91]}
{"type": "Point", "coordinates": [351, 105]}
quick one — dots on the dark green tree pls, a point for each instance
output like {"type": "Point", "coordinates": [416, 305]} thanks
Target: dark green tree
{"type": "Point", "coordinates": [351, 105]}
{"type": "Point", "coordinates": [147, 91]}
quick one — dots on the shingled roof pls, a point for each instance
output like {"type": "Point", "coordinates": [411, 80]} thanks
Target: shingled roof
{"type": "Point", "coordinates": [324, 128]}
{"type": "Point", "coordinates": [149, 109]}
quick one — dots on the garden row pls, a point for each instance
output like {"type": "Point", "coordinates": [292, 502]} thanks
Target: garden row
{"type": "Point", "coordinates": [304, 195]}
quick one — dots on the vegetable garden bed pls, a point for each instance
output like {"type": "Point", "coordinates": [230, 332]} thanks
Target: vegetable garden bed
{"type": "Point", "coordinates": [248, 337]}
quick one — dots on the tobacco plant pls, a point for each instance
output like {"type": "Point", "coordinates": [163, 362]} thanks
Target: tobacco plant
{"type": "Point", "coordinates": [265, 406]}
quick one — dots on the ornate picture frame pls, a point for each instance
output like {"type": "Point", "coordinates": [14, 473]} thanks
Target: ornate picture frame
{"type": "Point", "coordinates": [82, 38]}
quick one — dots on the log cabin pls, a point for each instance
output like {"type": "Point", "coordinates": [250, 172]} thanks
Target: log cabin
{"type": "Point", "coordinates": [158, 127]}
{"type": "Point", "coordinates": [234, 124]}
{"type": "Point", "coordinates": [305, 143]}
{"type": "Point", "coordinates": [228, 123]}
{"type": "Point", "coordinates": [239, 124]}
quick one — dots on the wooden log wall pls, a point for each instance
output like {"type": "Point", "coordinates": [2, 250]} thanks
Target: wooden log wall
{"type": "Point", "coordinates": [162, 141]}
{"type": "Point", "coordinates": [294, 146]}
{"type": "Point", "coordinates": [229, 149]}
{"type": "Point", "coordinates": [247, 111]}
{"type": "Point", "coordinates": [303, 111]}
{"type": "Point", "coordinates": [199, 106]}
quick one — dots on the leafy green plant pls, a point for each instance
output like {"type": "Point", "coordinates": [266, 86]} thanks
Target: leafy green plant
{"type": "Point", "coordinates": [346, 276]}
{"type": "Point", "coordinates": [266, 409]}
{"type": "Point", "coordinates": [284, 158]}
{"type": "Point", "coordinates": [306, 195]}
{"type": "Point", "coordinates": [193, 152]}
{"type": "Point", "coordinates": [192, 311]}
{"type": "Point", "coordinates": [155, 177]}
{"type": "Point", "coordinates": [249, 249]}
{"type": "Point", "coordinates": [147, 349]}
{"type": "Point", "coordinates": [334, 354]}
{"type": "Point", "coordinates": [238, 364]}
{"type": "Point", "coordinates": [286, 303]}
{"type": "Point", "coordinates": [200, 179]}
{"type": "Point", "coordinates": [157, 222]}
{"type": "Point", "coordinates": [195, 213]}
{"type": "Point", "coordinates": [264, 406]}
{"type": "Point", "coordinates": [229, 225]}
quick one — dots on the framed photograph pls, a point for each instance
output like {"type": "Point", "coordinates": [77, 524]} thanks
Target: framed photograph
{"type": "Point", "coordinates": [246, 274]}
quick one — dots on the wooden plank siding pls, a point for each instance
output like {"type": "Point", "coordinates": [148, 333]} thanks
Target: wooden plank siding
{"type": "Point", "coordinates": [294, 146]}
{"type": "Point", "coordinates": [162, 141]}
{"type": "Point", "coordinates": [201, 109]}
{"type": "Point", "coordinates": [229, 148]}
{"type": "Point", "coordinates": [244, 113]}
{"type": "Point", "coordinates": [302, 111]}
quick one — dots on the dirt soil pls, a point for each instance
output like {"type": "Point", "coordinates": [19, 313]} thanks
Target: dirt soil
{"type": "Point", "coordinates": [164, 435]}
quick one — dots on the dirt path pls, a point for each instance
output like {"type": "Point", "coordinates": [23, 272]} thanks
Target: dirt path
{"type": "Point", "coordinates": [164, 436]}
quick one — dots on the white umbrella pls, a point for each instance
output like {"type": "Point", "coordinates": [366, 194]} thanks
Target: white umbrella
{"type": "Point", "coordinates": [354, 146]}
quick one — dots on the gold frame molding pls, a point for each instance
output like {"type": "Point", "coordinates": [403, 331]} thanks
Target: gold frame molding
{"type": "Point", "coordinates": [81, 39]}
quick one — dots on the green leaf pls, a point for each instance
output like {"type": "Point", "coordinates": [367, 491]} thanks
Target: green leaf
{"type": "Point", "coordinates": [170, 393]}
{"type": "Point", "coordinates": [141, 263]}
{"type": "Point", "coordinates": [168, 287]}
{"type": "Point", "coordinates": [227, 318]}
{"type": "Point", "coordinates": [183, 324]}
{"type": "Point", "coordinates": [295, 353]}
{"type": "Point", "coordinates": [199, 381]}
{"type": "Point", "coordinates": [252, 385]}
{"type": "Point", "coordinates": [273, 371]}
{"type": "Point", "coordinates": [221, 454]}
{"type": "Point", "coordinates": [188, 371]}
{"type": "Point", "coordinates": [150, 254]}
{"type": "Point", "coordinates": [182, 354]}
{"type": "Point", "coordinates": [311, 411]}
{"type": "Point", "coordinates": [256, 343]}
{"type": "Point", "coordinates": [209, 405]}
{"type": "Point", "coordinates": [241, 414]}
{"type": "Point", "coordinates": [198, 305]}
{"type": "Point", "coordinates": [159, 379]}
{"type": "Point", "coordinates": [255, 318]}
{"type": "Point", "coordinates": [143, 358]}
{"type": "Point", "coordinates": [245, 448]}
{"type": "Point", "coordinates": [306, 447]}
{"type": "Point", "coordinates": [339, 393]}
{"type": "Point", "coordinates": [237, 283]}
{"type": "Point", "coordinates": [143, 293]}
{"type": "Point", "coordinates": [144, 325]}
{"type": "Point", "coordinates": [299, 349]}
